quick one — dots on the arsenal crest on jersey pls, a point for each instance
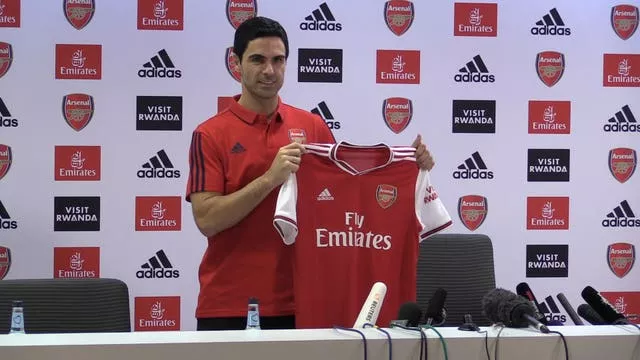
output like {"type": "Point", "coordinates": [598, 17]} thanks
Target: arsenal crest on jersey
{"type": "Point", "coordinates": [6, 57]}
{"type": "Point", "coordinates": [79, 12]}
{"type": "Point", "coordinates": [550, 67]}
{"type": "Point", "coordinates": [624, 20]}
{"type": "Point", "coordinates": [472, 210]}
{"type": "Point", "coordinates": [5, 261]}
{"type": "Point", "coordinates": [77, 110]}
{"type": "Point", "coordinates": [397, 113]}
{"type": "Point", "coordinates": [620, 257]}
{"type": "Point", "coordinates": [239, 11]}
{"type": "Point", "coordinates": [298, 135]}
{"type": "Point", "coordinates": [5, 160]}
{"type": "Point", "coordinates": [398, 15]}
{"type": "Point", "coordinates": [622, 163]}
{"type": "Point", "coordinates": [233, 67]}
{"type": "Point", "coordinates": [386, 195]}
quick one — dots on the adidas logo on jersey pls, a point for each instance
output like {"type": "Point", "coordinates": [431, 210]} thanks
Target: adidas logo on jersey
{"type": "Point", "coordinates": [473, 168]}
{"type": "Point", "coordinates": [5, 116]}
{"type": "Point", "coordinates": [551, 310]}
{"type": "Point", "coordinates": [551, 24]}
{"type": "Point", "coordinates": [474, 71]}
{"type": "Point", "coordinates": [323, 111]}
{"type": "Point", "coordinates": [621, 216]}
{"type": "Point", "coordinates": [321, 19]}
{"type": "Point", "coordinates": [158, 267]}
{"type": "Point", "coordinates": [325, 195]}
{"type": "Point", "coordinates": [623, 121]}
{"type": "Point", "coordinates": [158, 166]}
{"type": "Point", "coordinates": [160, 66]}
{"type": "Point", "coordinates": [5, 220]}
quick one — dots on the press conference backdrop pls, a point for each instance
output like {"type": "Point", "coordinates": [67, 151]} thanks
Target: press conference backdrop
{"type": "Point", "coordinates": [531, 110]}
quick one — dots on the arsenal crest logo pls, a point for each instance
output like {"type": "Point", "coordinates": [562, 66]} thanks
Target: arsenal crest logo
{"type": "Point", "coordinates": [5, 261]}
{"type": "Point", "coordinates": [472, 210]}
{"type": "Point", "coordinates": [6, 57]}
{"type": "Point", "coordinates": [79, 12]}
{"type": "Point", "coordinates": [386, 195]}
{"type": "Point", "coordinates": [624, 20]}
{"type": "Point", "coordinates": [298, 135]}
{"type": "Point", "coordinates": [550, 67]}
{"type": "Point", "coordinates": [77, 110]}
{"type": "Point", "coordinates": [397, 113]}
{"type": "Point", "coordinates": [622, 163]}
{"type": "Point", "coordinates": [233, 67]}
{"type": "Point", "coordinates": [239, 11]}
{"type": "Point", "coordinates": [398, 14]}
{"type": "Point", "coordinates": [5, 160]}
{"type": "Point", "coordinates": [620, 257]}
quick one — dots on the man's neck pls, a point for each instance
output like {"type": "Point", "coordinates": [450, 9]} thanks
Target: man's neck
{"type": "Point", "coordinates": [259, 106]}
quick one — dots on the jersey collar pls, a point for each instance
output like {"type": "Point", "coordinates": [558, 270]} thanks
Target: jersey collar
{"type": "Point", "coordinates": [333, 155]}
{"type": "Point", "coordinates": [251, 117]}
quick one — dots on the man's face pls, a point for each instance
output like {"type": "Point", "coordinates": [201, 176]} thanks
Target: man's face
{"type": "Point", "coordinates": [262, 67]}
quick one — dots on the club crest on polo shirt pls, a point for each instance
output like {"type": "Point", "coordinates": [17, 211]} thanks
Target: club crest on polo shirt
{"type": "Point", "coordinates": [298, 135]}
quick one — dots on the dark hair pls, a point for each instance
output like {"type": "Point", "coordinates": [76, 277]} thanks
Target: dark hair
{"type": "Point", "coordinates": [258, 27]}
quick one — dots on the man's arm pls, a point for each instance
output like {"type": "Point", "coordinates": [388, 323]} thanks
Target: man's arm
{"type": "Point", "coordinates": [214, 212]}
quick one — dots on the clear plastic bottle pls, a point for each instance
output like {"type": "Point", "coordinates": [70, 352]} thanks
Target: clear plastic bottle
{"type": "Point", "coordinates": [253, 314]}
{"type": "Point", "coordinates": [17, 318]}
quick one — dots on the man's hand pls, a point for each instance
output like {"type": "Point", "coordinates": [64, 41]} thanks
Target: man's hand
{"type": "Point", "coordinates": [423, 156]}
{"type": "Point", "coordinates": [287, 161]}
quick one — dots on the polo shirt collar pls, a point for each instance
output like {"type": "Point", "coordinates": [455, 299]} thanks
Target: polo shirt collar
{"type": "Point", "coordinates": [251, 117]}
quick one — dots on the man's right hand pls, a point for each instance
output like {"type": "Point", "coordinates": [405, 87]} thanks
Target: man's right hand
{"type": "Point", "coordinates": [287, 161]}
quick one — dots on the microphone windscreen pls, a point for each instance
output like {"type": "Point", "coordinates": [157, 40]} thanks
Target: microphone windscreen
{"type": "Point", "coordinates": [590, 315]}
{"type": "Point", "coordinates": [436, 304]}
{"type": "Point", "coordinates": [601, 305]}
{"type": "Point", "coordinates": [411, 312]}
{"type": "Point", "coordinates": [503, 306]}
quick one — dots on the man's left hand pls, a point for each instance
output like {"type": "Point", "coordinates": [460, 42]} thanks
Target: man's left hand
{"type": "Point", "coordinates": [423, 156]}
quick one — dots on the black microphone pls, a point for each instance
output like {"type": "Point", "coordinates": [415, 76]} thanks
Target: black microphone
{"type": "Point", "coordinates": [408, 315]}
{"type": "Point", "coordinates": [436, 313]}
{"type": "Point", "coordinates": [569, 309]}
{"type": "Point", "coordinates": [503, 306]}
{"type": "Point", "coordinates": [603, 307]}
{"type": "Point", "coordinates": [590, 315]}
{"type": "Point", "coordinates": [525, 291]}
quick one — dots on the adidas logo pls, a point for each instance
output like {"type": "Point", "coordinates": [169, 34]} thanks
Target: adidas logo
{"type": "Point", "coordinates": [5, 220]}
{"type": "Point", "coordinates": [551, 24]}
{"type": "Point", "coordinates": [321, 19]}
{"type": "Point", "coordinates": [551, 311]}
{"type": "Point", "coordinates": [5, 116]}
{"type": "Point", "coordinates": [623, 121]}
{"type": "Point", "coordinates": [474, 71]}
{"type": "Point", "coordinates": [473, 168]}
{"type": "Point", "coordinates": [323, 111]}
{"type": "Point", "coordinates": [325, 195]}
{"type": "Point", "coordinates": [158, 267]}
{"type": "Point", "coordinates": [621, 216]}
{"type": "Point", "coordinates": [158, 167]}
{"type": "Point", "coordinates": [237, 148]}
{"type": "Point", "coordinates": [160, 66]}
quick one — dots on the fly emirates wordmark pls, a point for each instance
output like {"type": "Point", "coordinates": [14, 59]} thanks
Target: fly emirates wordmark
{"type": "Point", "coordinates": [350, 238]}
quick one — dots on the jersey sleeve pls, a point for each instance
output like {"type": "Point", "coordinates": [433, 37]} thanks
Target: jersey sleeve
{"type": "Point", "coordinates": [206, 172]}
{"type": "Point", "coordinates": [430, 210]}
{"type": "Point", "coordinates": [285, 218]}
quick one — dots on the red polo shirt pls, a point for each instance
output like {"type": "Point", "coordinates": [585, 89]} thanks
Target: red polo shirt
{"type": "Point", "coordinates": [227, 152]}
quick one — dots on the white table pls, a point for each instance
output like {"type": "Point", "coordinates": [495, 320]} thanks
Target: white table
{"type": "Point", "coordinates": [585, 343]}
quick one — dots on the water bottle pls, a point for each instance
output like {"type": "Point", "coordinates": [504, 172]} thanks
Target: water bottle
{"type": "Point", "coordinates": [17, 318]}
{"type": "Point", "coordinates": [253, 314]}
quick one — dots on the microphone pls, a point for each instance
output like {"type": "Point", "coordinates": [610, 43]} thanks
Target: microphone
{"type": "Point", "coordinates": [409, 315]}
{"type": "Point", "coordinates": [590, 315]}
{"type": "Point", "coordinates": [436, 313]}
{"type": "Point", "coordinates": [569, 309]}
{"type": "Point", "coordinates": [603, 307]}
{"type": "Point", "coordinates": [371, 307]}
{"type": "Point", "coordinates": [503, 306]}
{"type": "Point", "coordinates": [524, 290]}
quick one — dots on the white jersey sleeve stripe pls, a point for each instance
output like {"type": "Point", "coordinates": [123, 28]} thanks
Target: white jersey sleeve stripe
{"type": "Point", "coordinates": [285, 217]}
{"type": "Point", "coordinates": [430, 210]}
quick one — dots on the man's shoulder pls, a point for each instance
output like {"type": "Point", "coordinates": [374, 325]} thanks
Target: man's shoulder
{"type": "Point", "coordinates": [217, 122]}
{"type": "Point", "coordinates": [298, 114]}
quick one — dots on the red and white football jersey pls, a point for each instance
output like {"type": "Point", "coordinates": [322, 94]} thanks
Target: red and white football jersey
{"type": "Point", "coordinates": [356, 215]}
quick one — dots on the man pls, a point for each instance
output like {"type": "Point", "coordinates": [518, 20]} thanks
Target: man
{"type": "Point", "coordinates": [238, 159]}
